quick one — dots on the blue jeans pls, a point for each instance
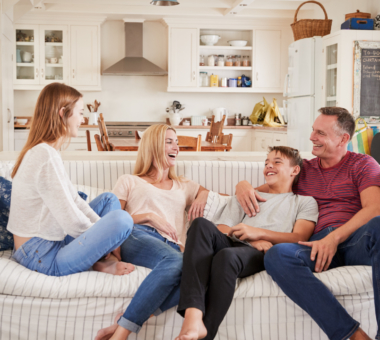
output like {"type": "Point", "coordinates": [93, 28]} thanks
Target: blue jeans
{"type": "Point", "coordinates": [60, 258]}
{"type": "Point", "coordinates": [160, 289]}
{"type": "Point", "coordinates": [290, 266]}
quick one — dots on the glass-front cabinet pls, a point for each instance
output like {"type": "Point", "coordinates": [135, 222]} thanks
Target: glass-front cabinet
{"type": "Point", "coordinates": [331, 75]}
{"type": "Point", "coordinates": [41, 54]}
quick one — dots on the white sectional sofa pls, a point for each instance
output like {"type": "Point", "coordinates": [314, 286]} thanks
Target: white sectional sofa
{"type": "Point", "coordinates": [36, 306]}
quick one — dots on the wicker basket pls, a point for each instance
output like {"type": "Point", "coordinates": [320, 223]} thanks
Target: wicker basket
{"type": "Point", "coordinates": [307, 28]}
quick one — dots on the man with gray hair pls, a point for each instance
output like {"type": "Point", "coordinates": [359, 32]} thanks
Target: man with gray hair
{"type": "Point", "coordinates": [346, 188]}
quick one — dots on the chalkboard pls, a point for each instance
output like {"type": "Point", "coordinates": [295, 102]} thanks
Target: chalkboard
{"type": "Point", "coordinates": [367, 78]}
{"type": "Point", "coordinates": [370, 84]}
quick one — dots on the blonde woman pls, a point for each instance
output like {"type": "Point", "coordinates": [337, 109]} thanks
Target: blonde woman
{"type": "Point", "coordinates": [47, 213]}
{"type": "Point", "coordinates": [156, 199]}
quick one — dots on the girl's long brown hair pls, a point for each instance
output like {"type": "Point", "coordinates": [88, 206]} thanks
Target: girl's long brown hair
{"type": "Point", "coordinates": [47, 125]}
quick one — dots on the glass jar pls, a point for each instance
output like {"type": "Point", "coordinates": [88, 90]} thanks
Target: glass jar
{"type": "Point", "coordinates": [203, 79]}
{"type": "Point", "coordinates": [202, 60]}
{"type": "Point", "coordinates": [220, 60]}
{"type": "Point", "coordinates": [211, 60]}
{"type": "Point", "coordinates": [229, 61]}
{"type": "Point", "coordinates": [245, 61]}
{"type": "Point", "coordinates": [237, 60]}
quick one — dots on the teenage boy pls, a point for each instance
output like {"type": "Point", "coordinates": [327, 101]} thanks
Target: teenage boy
{"type": "Point", "coordinates": [216, 256]}
{"type": "Point", "coordinates": [346, 187]}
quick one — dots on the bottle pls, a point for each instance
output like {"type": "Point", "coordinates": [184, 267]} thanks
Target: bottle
{"type": "Point", "coordinates": [202, 60]}
{"type": "Point", "coordinates": [214, 80]}
{"type": "Point", "coordinates": [237, 120]}
{"type": "Point", "coordinates": [239, 82]}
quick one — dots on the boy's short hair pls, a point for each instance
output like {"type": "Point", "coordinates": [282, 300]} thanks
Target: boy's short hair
{"type": "Point", "coordinates": [292, 154]}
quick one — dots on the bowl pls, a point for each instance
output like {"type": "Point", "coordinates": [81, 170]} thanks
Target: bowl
{"type": "Point", "coordinates": [238, 43]}
{"type": "Point", "coordinates": [210, 39]}
{"type": "Point", "coordinates": [22, 121]}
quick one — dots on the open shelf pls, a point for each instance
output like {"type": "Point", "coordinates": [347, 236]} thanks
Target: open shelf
{"type": "Point", "coordinates": [54, 65]}
{"type": "Point", "coordinates": [332, 66]}
{"type": "Point", "coordinates": [233, 48]}
{"type": "Point", "coordinates": [25, 43]}
{"type": "Point", "coordinates": [229, 68]}
{"type": "Point", "coordinates": [53, 44]}
{"type": "Point", "coordinates": [25, 64]}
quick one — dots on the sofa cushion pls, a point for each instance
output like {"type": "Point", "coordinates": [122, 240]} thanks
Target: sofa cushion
{"type": "Point", "coordinates": [6, 238]}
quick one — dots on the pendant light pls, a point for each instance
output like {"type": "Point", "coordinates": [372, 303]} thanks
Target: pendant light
{"type": "Point", "coordinates": [164, 3]}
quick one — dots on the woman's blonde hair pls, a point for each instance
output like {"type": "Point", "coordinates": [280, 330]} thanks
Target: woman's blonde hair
{"type": "Point", "coordinates": [47, 125]}
{"type": "Point", "coordinates": [152, 150]}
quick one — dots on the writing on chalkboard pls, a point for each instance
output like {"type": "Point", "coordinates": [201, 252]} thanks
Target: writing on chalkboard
{"type": "Point", "coordinates": [367, 78]}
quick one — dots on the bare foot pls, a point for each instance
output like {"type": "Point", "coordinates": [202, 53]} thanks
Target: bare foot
{"type": "Point", "coordinates": [360, 335]}
{"type": "Point", "coordinates": [193, 327]}
{"type": "Point", "coordinates": [114, 268]}
{"type": "Point", "coordinates": [106, 333]}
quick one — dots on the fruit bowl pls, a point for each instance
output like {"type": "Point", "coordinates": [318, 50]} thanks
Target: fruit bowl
{"type": "Point", "coordinates": [238, 43]}
{"type": "Point", "coordinates": [210, 39]}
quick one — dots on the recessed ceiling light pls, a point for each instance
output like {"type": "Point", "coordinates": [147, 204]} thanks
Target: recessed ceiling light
{"type": "Point", "coordinates": [164, 3]}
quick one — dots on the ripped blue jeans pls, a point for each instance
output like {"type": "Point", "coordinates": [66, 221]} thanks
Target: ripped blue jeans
{"type": "Point", "coordinates": [70, 256]}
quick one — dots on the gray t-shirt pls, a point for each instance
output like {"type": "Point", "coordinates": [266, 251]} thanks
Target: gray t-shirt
{"type": "Point", "coordinates": [279, 213]}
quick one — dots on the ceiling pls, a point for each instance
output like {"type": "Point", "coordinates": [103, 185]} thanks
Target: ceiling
{"type": "Point", "coordinates": [119, 9]}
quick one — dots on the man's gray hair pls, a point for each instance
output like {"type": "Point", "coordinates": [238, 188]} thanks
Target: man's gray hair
{"type": "Point", "coordinates": [345, 121]}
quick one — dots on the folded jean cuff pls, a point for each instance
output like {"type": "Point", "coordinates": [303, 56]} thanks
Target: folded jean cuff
{"type": "Point", "coordinates": [352, 331]}
{"type": "Point", "coordinates": [131, 326]}
{"type": "Point", "coordinates": [157, 312]}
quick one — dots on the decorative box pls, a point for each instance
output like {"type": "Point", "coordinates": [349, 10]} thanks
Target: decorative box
{"type": "Point", "coordinates": [358, 24]}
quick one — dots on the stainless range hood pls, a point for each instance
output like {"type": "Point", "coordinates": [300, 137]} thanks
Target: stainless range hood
{"type": "Point", "coordinates": [134, 64]}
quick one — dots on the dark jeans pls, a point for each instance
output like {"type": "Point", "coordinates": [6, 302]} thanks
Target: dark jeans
{"type": "Point", "coordinates": [211, 265]}
{"type": "Point", "coordinates": [290, 266]}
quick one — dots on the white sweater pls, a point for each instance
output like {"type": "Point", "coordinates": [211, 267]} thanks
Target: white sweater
{"type": "Point", "coordinates": [44, 203]}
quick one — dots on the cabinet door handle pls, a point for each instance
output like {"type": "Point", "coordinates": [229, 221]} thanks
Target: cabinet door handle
{"type": "Point", "coordinates": [73, 73]}
{"type": "Point", "coordinates": [42, 73]}
{"type": "Point", "coordinates": [257, 75]}
{"type": "Point", "coordinates": [36, 72]}
{"type": "Point", "coordinates": [9, 115]}
{"type": "Point", "coordinates": [277, 140]}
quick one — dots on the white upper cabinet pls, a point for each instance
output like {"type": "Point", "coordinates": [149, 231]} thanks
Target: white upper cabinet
{"type": "Point", "coordinates": [57, 53]}
{"type": "Point", "coordinates": [267, 64]}
{"type": "Point", "coordinates": [183, 57]}
{"type": "Point", "coordinates": [85, 63]}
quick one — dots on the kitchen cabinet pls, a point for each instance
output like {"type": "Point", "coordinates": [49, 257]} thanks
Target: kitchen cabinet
{"type": "Point", "coordinates": [263, 139]}
{"type": "Point", "coordinates": [266, 49]}
{"type": "Point", "coordinates": [183, 57]}
{"type": "Point", "coordinates": [338, 77]}
{"type": "Point", "coordinates": [57, 53]}
{"type": "Point", "coordinates": [7, 102]}
{"type": "Point", "coordinates": [41, 55]}
{"type": "Point", "coordinates": [84, 56]}
{"type": "Point", "coordinates": [267, 73]}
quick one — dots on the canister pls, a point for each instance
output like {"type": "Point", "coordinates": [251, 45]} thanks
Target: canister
{"type": "Point", "coordinates": [214, 80]}
{"type": "Point", "coordinates": [232, 82]}
{"type": "Point", "coordinates": [223, 82]}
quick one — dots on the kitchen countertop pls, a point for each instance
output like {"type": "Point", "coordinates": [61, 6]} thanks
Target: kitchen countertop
{"type": "Point", "coordinates": [240, 127]}
{"type": "Point", "coordinates": [178, 127]}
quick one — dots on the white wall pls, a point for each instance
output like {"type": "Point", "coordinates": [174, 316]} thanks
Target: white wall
{"type": "Point", "coordinates": [337, 9]}
{"type": "Point", "coordinates": [145, 98]}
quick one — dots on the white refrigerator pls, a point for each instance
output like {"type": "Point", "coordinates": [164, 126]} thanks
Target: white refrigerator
{"type": "Point", "coordinates": [303, 90]}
